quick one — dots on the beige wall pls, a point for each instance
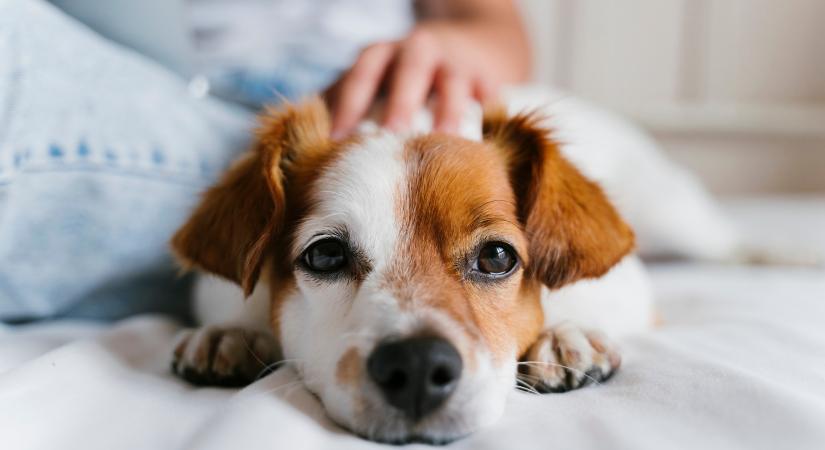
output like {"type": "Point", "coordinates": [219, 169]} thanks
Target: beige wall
{"type": "Point", "coordinates": [735, 89]}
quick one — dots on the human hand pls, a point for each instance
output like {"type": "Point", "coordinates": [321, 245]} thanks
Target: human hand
{"type": "Point", "coordinates": [453, 61]}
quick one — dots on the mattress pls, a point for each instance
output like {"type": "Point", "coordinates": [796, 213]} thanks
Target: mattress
{"type": "Point", "coordinates": [739, 362]}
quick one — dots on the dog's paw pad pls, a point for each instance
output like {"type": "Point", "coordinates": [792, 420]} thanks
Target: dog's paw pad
{"type": "Point", "coordinates": [217, 356]}
{"type": "Point", "coordinates": [566, 357]}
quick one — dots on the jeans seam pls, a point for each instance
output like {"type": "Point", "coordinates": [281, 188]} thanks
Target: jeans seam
{"type": "Point", "coordinates": [191, 180]}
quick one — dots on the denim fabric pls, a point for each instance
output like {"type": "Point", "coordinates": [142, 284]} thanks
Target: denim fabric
{"type": "Point", "coordinates": [102, 155]}
{"type": "Point", "coordinates": [292, 80]}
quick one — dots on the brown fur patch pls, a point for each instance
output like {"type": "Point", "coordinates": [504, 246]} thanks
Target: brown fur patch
{"type": "Point", "coordinates": [574, 231]}
{"type": "Point", "coordinates": [281, 285]}
{"type": "Point", "coordinates": [230, 229]}
{"type": "Point", "coordinates": [237, 219]}
{"type": "Point", "coordinates": [459, 197]}
{"type": "Point", "coordinates": [349, 369]}
{"type": "Point", "coordinates": [249, 216]}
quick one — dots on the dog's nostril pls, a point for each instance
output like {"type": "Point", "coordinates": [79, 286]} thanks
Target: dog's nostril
{"type": "Point", "coordinates": [441, 376]}
{"type": "Point", "coordinates": [397, 380]}
{"type": "Point", "coordinates": [415, 375]}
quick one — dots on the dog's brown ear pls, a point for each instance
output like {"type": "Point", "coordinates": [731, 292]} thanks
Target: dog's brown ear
{"type": "Point", "coordinates": [238, 219]}
{"type": "Point", "coordinates": [573, 230]}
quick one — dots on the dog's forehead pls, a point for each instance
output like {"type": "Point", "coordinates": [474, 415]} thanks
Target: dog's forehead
{"type": "Point", "coordinates": [382, 185]}
{"type": "Point", "coordinates": [358, 192]}
{"type": "Point", "coordinates": [456, 185]}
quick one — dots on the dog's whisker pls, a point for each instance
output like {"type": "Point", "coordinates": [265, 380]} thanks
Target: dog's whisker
{"type": "Point", "coordinates": [271, 367]}
{"type": "Point", "coordinates": [298, 381]}
{"type": "Point", "coordinates": [526, 387]}
{"type": "Point", "coordinates": [522, 389]}
{"type": "Point", "coordinates": [547, 363]}
{"type": "Point", "coordinates": [527, 376]}
{"type": "Point", "coordinates": [292, 389]}
{"type": "Point", "coordinates": [251, 352]}
{"type": "Point", "coordinates": [283, 386]}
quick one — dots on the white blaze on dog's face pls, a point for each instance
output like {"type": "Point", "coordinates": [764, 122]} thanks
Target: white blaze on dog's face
{"type": "Point", "coordinates": [405, 271]}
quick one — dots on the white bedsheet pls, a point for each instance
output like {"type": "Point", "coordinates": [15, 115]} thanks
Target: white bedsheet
{"type": "Point", "coordinates": [740, 363]}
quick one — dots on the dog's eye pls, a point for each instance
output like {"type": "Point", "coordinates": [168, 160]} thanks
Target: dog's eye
{"type": "Point", "coordinates": [496, 258]}
{"type": "Point", "coordinates": [328, 255]}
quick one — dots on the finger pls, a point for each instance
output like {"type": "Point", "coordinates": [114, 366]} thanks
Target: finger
{"type": "Point", "coordinates": [354, 93]}
{"type": "Point", "coordinates": [485, 90]}
{"type": "Point", "coordinates": [411, 80]}
{"type": "Point", "coordinates": [332, 93]}
{"type": "Point", "coordinates": [453, 93]}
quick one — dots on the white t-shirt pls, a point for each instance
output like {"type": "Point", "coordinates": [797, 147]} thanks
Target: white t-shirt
{"type": "Point", "coordinates": [254, 51]}
{"type": "Point", "coordinates": [250, 51]}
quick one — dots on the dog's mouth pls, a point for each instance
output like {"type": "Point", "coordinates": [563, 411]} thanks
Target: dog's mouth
{"type": "Point", "coordinates": [396, 431]}
{"type": "Point", "coordinates": [413, 439]}
{"type": "Point", "coordinates": [436, 413]}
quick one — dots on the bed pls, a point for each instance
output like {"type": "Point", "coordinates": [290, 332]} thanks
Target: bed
{"type": "Point", "coordinates": [738, 363]}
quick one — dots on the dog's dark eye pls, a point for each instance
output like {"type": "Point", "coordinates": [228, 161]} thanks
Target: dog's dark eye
{"type": "Point", "coordinates": [328, 255]}
{"type": "Point", "coordinates": [496, 258]}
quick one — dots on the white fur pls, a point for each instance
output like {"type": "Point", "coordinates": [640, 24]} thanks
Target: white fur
{"type": "Point", "coordinates": [619, 303]}
{"type": "Point", "coordinates": [359, 193]}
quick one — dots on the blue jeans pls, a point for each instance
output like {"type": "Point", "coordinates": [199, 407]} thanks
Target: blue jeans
{"type": "Point", "coordinates": [102, 155]}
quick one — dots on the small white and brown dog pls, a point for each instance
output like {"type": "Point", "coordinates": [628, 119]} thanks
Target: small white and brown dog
{"type": "Point", "coordinates": [412, 280]}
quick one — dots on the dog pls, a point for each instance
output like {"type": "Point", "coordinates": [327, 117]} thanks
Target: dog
{"type": "Point", "coordinates": [412, 280]}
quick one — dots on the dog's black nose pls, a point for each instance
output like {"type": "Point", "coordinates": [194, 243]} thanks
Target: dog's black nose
{"type": "Point", "coordinates": [415, 375]}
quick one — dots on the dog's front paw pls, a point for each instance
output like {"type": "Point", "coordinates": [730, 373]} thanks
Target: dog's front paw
{"type": "Point", "coordinates": [566, 357]}
{"type": "Point", "coordinates": [218, 356]}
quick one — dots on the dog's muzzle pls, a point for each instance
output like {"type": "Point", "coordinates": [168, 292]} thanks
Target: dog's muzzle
{"type": "Point", "coordinates": [415, 375]}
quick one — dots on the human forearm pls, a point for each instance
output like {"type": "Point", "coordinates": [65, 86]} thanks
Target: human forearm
{"type": "Point", "coordinates": [495, 25]}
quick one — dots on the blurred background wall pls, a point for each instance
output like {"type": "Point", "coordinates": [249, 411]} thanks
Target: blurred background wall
{"type": "Point", "coordinates": [733, 89]}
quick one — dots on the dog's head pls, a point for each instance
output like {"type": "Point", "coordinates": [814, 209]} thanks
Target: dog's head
{"type": "Point", "coordinates": [405, 272]}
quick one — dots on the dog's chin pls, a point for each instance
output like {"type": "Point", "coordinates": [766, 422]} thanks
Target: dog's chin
{"type": "Point", "coordinates": [403, 439]}
{"type": "Point", "coordinates": [428, 440]}
{"type": "Point", "coordinates": [384, 424]}
{"type": "Point", "coordinates": [399, 431]}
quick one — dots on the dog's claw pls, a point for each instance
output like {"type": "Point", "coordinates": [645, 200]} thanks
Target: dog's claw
{"type": "Point", "coordinates": [566, 357]}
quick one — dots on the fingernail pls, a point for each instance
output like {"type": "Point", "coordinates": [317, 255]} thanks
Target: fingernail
{"type": "Point", "coordinates": [448, 128]}
{"type": "Point", "coordinates": [395, 124]}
